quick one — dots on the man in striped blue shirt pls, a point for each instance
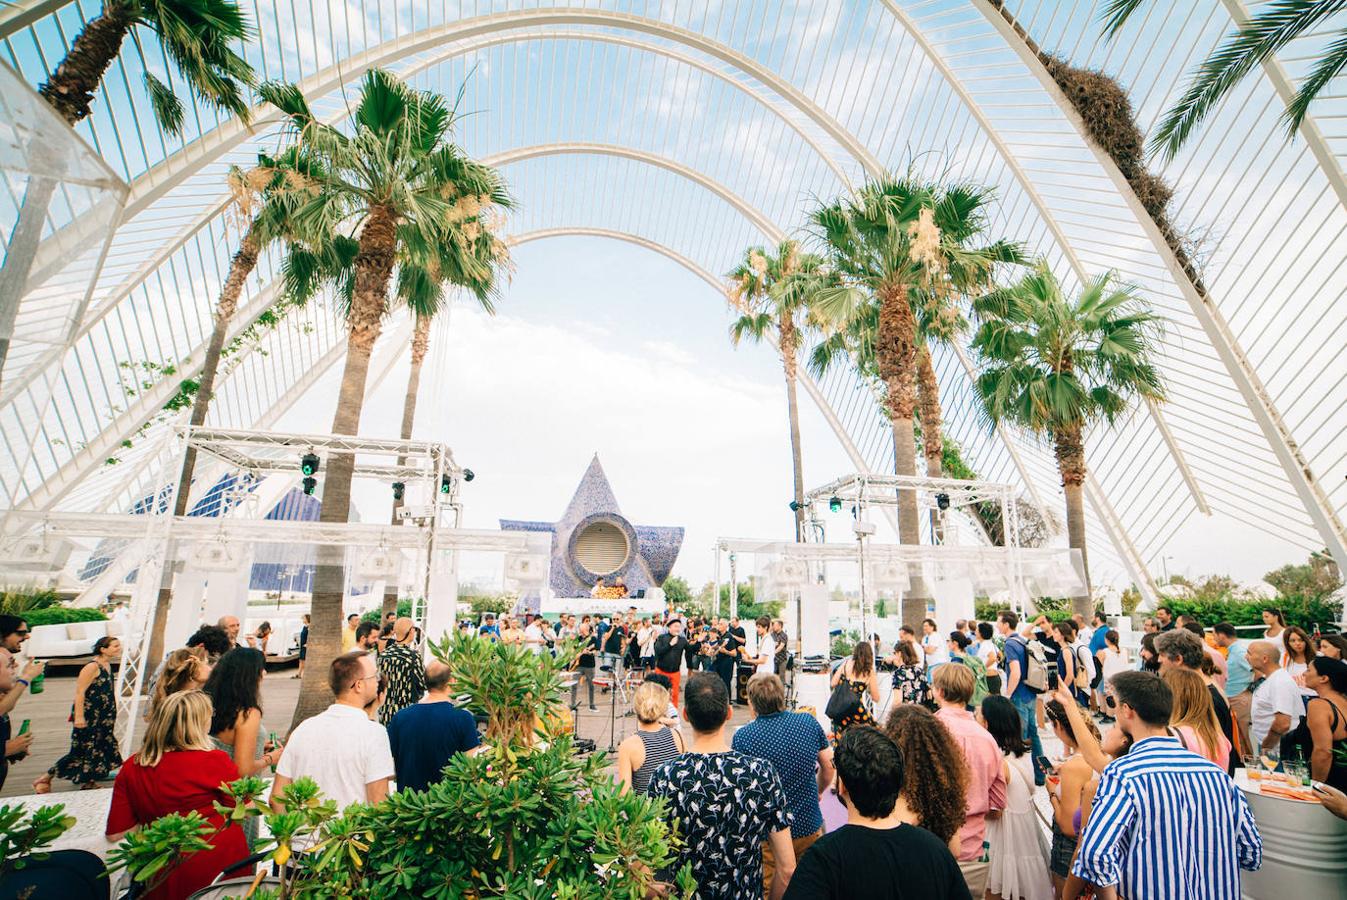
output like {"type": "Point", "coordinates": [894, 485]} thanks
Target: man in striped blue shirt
{"type": "Point", "coordinates": [1166, 823]}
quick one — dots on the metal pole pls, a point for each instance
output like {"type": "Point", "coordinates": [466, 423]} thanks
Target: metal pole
{"type": "Point", "coordinates": [715, 596]}
{"type": "Point", "coordinates": [860, 552]}
{"type": "Point", "coordinates": [734, 588]}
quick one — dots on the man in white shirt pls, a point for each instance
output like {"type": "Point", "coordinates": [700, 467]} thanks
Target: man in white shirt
{"type": "Point", "coordinates": [764, 660]}
{"type": "Point", "coordinates": [533, 635]}
{"type": "Point", "coordinates": [1277, 705]}
{"type": "Point", "coordinates": [933, 644]}
{"type": "Point", "coordinates": [341, 749]}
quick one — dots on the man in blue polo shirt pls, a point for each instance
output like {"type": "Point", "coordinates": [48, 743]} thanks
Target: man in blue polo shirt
{"type": "Point", "coordinates": [426, 735]}
{"type": "Point", "coordinates": [1016, 652]}
{"type": "Point", "coordinates": [794, 743]}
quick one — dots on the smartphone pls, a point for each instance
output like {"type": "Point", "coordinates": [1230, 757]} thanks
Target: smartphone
{"type": "Point", "coordinates": [23, 728]}
{"type": "Point", "coordinates": [1052, 681]}
{"type": "Point", "coordinates": [1045, 764]}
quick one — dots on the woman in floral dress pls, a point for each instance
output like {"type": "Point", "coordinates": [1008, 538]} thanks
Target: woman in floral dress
{"type": "Point", "coordinates": [909, 676]}
{"type": "Point", "coordinates": [859, 671]}
{"type": "Point", "coordinates": [93, 755]}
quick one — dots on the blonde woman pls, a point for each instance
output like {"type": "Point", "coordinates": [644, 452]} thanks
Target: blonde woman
{"type": "Point", "coordinates": [184, 670]}
{"type": "Point", "coordinates": [176, 770]}
{"type": "Point", "coordinates": [1194, 717]}
{"type": "Point", "coordinates": [510, 633]}
{"type": "Point", "coordinates": [653, 744]}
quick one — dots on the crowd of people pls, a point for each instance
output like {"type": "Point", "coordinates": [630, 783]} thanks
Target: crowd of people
{"type": "Point", "coordinates": [937, 783]}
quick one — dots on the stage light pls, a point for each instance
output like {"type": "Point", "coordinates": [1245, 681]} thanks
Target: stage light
{"type": "Point", "coordinates": [835, 504]}
{"type": "Point", "coordinates": [942, 501]}
{"type": "Point", "coordinates": [445, 483]}
{"type": "Point", "coordinates": [308, 464]}
{"type": "Point", "coordinates": [309, 484]}
{"type": "Point", "coordinates": [795, 506]}
{"type": "Point", "coordinates": [468, 475]}
{"type": "Point", "coordinates": [398, 490]}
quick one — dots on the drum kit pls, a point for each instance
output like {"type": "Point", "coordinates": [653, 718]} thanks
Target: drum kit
{"type": "Point", "coordinates": [619, 683]}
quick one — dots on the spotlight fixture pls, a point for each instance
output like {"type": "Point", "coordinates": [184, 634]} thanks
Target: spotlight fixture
{"type": "Point", "coordinates": [942, 501]}
{"type": "Point", "coordinates": [308, 463]}
{"type": "Point", "coordinates": [398, 490]}
{"type": "Point", "coordinates": [835, 504]}
{"type": "Point", "coordinates": [309, 484]}
{"type": "Point", "coordinates": [468, 475]}
{"type": "Point", "coordinates": [795, 506]}
{"type": "Point", "coordinates": [445, 484]}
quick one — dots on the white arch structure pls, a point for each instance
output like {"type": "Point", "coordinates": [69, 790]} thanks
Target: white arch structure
{"type": "Point", "coordinates": [973, 82]}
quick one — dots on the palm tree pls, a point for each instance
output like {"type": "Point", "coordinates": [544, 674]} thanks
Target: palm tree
{"type": "Point", "coordinates": [196, 36]}
{"type": "Point", "coordinates": [1266, 32]}
{"type": "Point", "coordinates": [424, 307]}
{"type": "Point", "coordinates": [1055, 366]}
{"type": "Point", "coordinates": [772, 296]}
{"type": "Point", "coordinates": [886, 244]}
{"type": "Point", "coordinates": [261, 200]}
{"type": "Point", "coordinates": [395, 188]}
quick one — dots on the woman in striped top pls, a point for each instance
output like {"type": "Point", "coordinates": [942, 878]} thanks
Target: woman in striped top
{"type": "Point", "coordinates": [653, 744]}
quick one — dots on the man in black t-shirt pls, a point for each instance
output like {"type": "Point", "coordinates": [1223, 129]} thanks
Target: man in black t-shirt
{"type": "Point", "coordinates": [875, 854]}
{"type": "Point", "coordinates": [727, 654]}
{"type": "Point", "coordinates": [669, 650]}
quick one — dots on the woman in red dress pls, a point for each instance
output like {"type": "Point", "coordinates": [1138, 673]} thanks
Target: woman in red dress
{"type": "Point", "coordinates": [177, 771]}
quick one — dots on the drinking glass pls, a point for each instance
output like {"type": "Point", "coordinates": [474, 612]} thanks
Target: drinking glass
{"type": "Point", "coordinates": [1254, 767]}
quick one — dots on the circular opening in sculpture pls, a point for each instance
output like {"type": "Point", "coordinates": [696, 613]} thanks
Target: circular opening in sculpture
{"type": "Point", "coordinates": [602, 548]}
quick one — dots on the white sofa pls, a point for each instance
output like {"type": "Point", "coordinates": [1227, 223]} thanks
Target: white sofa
{"type": "Point", "coordinates": [284, 639]}
{"type": "Point", "coordinates": [70, 641]}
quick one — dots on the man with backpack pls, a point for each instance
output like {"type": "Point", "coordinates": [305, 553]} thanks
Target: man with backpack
{"type": "Point", "coordinates": [1026, 677]}
{"type": "Point", "coordinates": [959, 653]}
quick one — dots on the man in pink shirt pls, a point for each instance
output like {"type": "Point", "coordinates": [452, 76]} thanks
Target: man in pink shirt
{"type": "Point", "coordinates": [953, 685]}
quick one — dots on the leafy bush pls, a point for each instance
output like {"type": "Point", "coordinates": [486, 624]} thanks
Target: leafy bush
{"type": "Point", "coordinates": [526, 818]}
{"type": "Point", "coordinates": [1307, 612]}
{"type": "Point", "coordinates": [18, 601]}
{"type": "Point", "coordinates": [62, 615]}
{"type": "Point", "coordinates": [376, 615]}
{"type": "Point", "coordinates": [844, 643]}
{"type": "Point", "coordinates": [24, 834]}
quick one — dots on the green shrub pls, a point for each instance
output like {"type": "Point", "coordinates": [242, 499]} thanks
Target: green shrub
{"type": "Point", "coordinates": [845, 643]}
{"type": "Point", "coordinates": [376, 615]}
{"type": "Point", "coordinates": [17, 601]}
{"type": "Point", "coordinates": [61, 615]}
{"type": "Point", "coordinates": [1307, 612]}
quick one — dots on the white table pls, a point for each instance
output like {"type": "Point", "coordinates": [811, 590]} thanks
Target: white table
{"type": "Point", "coordinates": [1304, 849]}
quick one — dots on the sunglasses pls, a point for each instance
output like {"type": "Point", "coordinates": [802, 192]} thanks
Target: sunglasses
{"type": "Point", "coordinates": [21, 632]}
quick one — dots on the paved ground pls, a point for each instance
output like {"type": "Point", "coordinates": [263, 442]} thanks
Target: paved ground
{"type": "Point", "coordinates": [607, 725]}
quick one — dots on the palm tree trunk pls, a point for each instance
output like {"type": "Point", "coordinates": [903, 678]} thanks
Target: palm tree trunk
{"type": "Point", "coordinates": [1069, 448]}
{"type": "Point", "coordinates": [896, 357]}
{"type": "Point", "coordinates": [420, 344]}
{"type": "Point", "coordinates": [373, 268]}
{"type": "Point", "coordinates": [789, 347]}
{"type": "Point", "coordinates": [932, 434]}
{"type": "Point", "coordinates": [70, 89]}
{"type": "Point", "coordinates": [242, 265]}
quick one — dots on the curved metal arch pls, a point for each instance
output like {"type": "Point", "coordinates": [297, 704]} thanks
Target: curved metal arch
{"type": "Point", "coordinates": [138, 201]}
{"type": "Point", "coordinates": [806, 381]}
{"type": "Point", "coordinates": [743, 207]}
{"type": "Point", "coordinates": [209, 147]}
{"type": "Point", "coordinates": [1238, 366]}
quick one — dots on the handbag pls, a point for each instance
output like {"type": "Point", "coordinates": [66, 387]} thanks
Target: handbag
{"type": "Point", "coordinates": [843, 702]}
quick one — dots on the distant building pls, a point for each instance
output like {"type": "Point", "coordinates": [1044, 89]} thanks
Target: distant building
{"type": "Point", "coordinates": [593, 540]}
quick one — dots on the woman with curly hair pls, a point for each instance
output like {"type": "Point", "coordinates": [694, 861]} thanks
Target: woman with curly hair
{"type": "Point", "coordinates": [935, 789]}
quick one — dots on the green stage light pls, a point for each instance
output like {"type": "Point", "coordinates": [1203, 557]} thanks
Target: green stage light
{"type": "Point", "coordinates": [445, 484]}
{"type": "Point", "coordinates": [308, 464]}
{"type": "Point", "coordinates": [398, 490]}
{"type": "Point", "coordinates": [309, 484]}
{"type": "Point", "coordinates": [835, 504]}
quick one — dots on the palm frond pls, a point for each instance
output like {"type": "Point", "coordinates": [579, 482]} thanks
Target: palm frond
{"type": "Point", "coordinates": [1329, 65]}
{"type": "Point", "coordinates": [1276, 24]}
{"type": "Point", "coordinates": [167, 107]}
{"type": "Point", "coordinates": [1116, 13]}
